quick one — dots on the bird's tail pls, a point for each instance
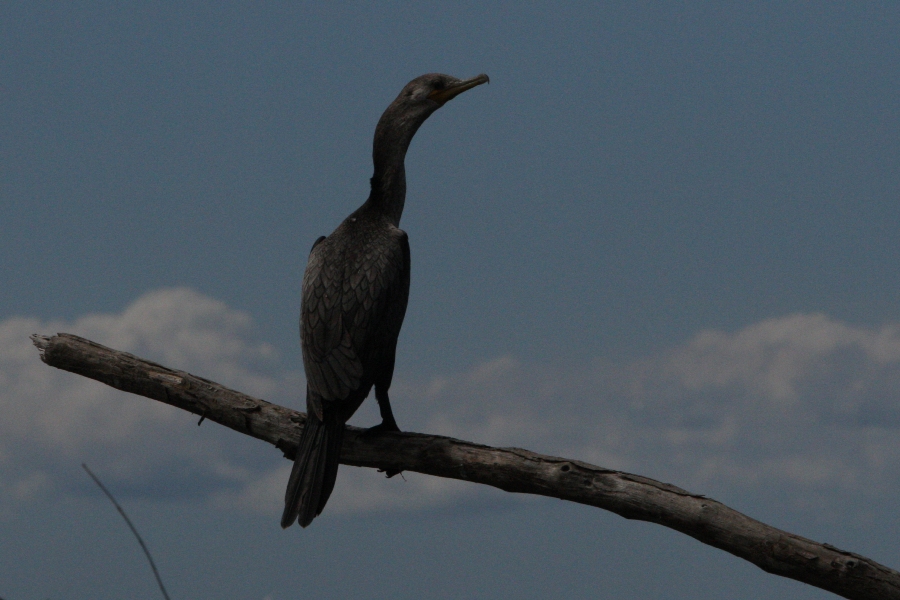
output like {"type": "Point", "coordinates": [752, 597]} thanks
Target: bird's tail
{"type": "Point", "coordinates": [315, 469]}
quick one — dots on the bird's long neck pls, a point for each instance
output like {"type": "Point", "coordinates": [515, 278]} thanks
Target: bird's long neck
{"type": "Point", "coordinates": [393, 135]}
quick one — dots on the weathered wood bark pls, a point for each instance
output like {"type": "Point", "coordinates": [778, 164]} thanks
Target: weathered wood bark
{"type": "Point", "coordinates": [510, 469]}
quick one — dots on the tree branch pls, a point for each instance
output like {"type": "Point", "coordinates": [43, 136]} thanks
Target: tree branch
{"type": "Point", "coordinates": [510, 469]}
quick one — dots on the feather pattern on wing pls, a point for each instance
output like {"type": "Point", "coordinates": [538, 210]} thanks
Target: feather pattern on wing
{"type": "Point", "coordinates": [355, 292]}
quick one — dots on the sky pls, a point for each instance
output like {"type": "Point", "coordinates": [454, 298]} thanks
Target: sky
{"type": "Point", "coordinates": [663, 239]}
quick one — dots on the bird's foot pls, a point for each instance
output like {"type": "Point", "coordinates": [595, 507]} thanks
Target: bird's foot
{"type": "Point", "coordinates": [383, 426]}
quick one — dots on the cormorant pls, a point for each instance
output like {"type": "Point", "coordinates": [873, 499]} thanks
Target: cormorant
{"type": "Point", "coordinates": [355, 290]}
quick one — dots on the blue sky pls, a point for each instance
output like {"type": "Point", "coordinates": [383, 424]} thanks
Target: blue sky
{"type": "Point", "coordinates": [663, 239]}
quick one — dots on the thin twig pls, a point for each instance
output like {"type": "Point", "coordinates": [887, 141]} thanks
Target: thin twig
{"type": "Point", "coordinates": [133, 530]}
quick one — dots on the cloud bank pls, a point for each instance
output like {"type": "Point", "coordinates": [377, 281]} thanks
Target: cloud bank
{"type": "Point", "coordinates": [802, 402]}
{"type": "Point", "coordinates": [55, 420]}
{"type": "Point", "coordinates": [802, 405]}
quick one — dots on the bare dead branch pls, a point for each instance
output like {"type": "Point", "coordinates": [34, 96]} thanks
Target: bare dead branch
{"type": "Point", "coordinates": [131, 526]}
{"type": "Point", "coordinates": [511, 469]}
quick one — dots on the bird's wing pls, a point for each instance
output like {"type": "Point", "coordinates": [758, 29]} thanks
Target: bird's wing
{"type": "Point", "coordinates": [346, 298]}
{"type": "Point", "coordinates": [375, 298]}
{"type": "Point", "coordinates": [387, 328]}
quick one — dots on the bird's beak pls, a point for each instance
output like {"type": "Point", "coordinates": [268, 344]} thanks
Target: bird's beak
{"type": "Point", "coordinates": [451, 92]}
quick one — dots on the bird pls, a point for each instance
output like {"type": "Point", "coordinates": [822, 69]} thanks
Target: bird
{"type": "Point", "coordinates": [353, 300]}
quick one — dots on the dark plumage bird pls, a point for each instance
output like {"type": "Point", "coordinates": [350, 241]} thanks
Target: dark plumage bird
{"type": "Point", "coordinates": [355, 291]}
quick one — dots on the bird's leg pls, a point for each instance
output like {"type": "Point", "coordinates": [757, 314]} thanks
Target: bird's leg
{"type": "Point", "coordinates": [388, 423]}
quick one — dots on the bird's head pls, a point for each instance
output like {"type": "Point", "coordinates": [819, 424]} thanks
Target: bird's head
{"type": "Point", "coordinates": [424, 95]}
{"type": "Point", "coordinates": [435, 89]}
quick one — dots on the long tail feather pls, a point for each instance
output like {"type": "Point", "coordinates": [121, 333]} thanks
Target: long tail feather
{"type": "Point", "coordinates": [315, 469]}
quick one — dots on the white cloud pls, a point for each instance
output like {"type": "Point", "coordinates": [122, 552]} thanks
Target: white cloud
{"type": "Point", "coordinates": [803, 404]}
{"type": "Point", "coordinates": [53, 419]}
